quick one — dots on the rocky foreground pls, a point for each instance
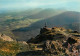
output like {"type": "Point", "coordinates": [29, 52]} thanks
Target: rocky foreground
{"type": "Point", "coordinates": [58, 41]}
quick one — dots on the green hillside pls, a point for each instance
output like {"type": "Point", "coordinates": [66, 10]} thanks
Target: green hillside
{"type": "Point", "coordinates": [18, 19]}
{"type": "Point", "coordinates": [61, 20]}
{"type": "Point", "coordinates": [19, 24]}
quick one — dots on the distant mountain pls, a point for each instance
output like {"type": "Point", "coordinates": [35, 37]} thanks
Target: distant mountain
{"type": "Point", "coordinates": [59, 20]}
{"type": "Point", "coordinates": [45, 13]}
{"type": "Point", "coordinates": [17, 19]}
{"type": "Point", "coordinates": [11, 20]}
{"type": "Point", "coordinates": [74, 26]}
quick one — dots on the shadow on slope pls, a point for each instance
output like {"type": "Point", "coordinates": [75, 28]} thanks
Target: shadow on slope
{"type": "Point", "coordinates": [59, 20]}
{"type": "Point", "coordinates": [68, 17]}
{"type": "Point", "coordinates": [31, 53]}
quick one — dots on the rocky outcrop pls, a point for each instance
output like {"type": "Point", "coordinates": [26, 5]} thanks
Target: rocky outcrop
{"type": "Point", "coordinates": [58, 48]}
{"type": "Point", "coordinates": [5, 37]}
{"type": "Point", "coordinates": [48, 34]}
{"type": "Point", "coordinates": [58, 41]}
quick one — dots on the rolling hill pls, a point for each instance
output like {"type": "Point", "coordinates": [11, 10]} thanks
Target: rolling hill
{"type": "Point", "coordinates": [65, 18]}
{"type": "Point", "coordinates": [74, 26]}
{"type": "Point", "coordinates": [20, 19]}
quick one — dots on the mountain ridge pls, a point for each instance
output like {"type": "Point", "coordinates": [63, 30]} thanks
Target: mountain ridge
{"type": "Point", "coordinates": [59, 20]}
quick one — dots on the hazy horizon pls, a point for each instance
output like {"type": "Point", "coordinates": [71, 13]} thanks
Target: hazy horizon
{"type": "Point", "coordinates": [71, 5]}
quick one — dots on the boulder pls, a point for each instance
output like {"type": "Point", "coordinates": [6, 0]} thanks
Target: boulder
{"type": "Point", "coordinates": [5, 37]}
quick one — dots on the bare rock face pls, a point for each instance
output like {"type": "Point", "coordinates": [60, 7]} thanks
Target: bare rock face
{"type": "Point", "coordinates": [52, 47]}
{"type": "Point", "coordinates": [5, 37]}
{"type": "Point", "coordinates": [58, 41]}
{"type": "Point", "coordinates": [56, 47]}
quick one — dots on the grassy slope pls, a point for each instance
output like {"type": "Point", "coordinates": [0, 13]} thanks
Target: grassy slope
{"type": "Point", "coordinates": [13, 48]}
{"type": "Point", "coordinates": [8, 48]}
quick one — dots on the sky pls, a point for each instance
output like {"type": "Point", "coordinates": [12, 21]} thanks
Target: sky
{"type": "Point", "coordinates": [73, 5]}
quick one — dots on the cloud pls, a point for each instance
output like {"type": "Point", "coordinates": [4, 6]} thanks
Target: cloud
{"type": "Point", "coordinates": [40, 3]}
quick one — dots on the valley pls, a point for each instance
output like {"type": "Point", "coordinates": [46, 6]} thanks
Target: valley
{"type": "Point", "coordinates": [40, 32]}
